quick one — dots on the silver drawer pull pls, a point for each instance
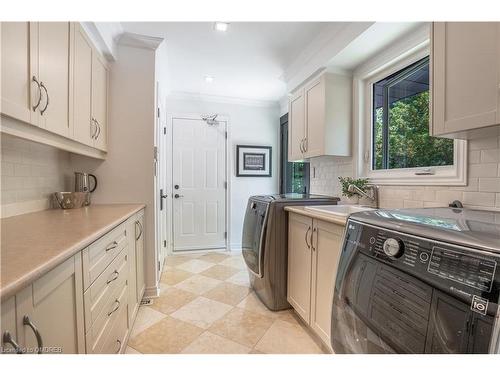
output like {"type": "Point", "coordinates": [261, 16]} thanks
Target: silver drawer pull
{"type": "Point", "coordinates": [112, 246]}
{"type": "Point", "coordinates": [119, 346]}
{"type": "Point", "coordinates": [116, 308]}
{"type": "Point", "coordinates": [28, 322]}
{"type": "Point", "coordinates": [8, 339]}
{"type": "Point", "coordinates": [116, 273]}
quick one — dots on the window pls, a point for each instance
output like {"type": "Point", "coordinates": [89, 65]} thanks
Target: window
{"type": "Point", "coordinates": [294, 177]}
{"type": "Point", "coordinates": [400, 120]}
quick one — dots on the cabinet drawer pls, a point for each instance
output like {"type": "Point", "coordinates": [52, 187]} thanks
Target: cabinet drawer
{"type": "Point", "coordinates": [101, 253]}
{"type": "Point", "coordinates": [98, 336]}
{"type": "Point", "coordinates": [118, 335]}
{"type": "Point", "coordinates": [102, 293]}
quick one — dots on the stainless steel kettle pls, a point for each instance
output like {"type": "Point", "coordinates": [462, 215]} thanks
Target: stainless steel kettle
{"type": "Point", "coordinates": [82, 182]}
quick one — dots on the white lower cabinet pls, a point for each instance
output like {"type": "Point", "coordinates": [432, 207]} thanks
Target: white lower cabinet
{"type": "Point", "coordinates": [314, 248]}
{"type": "Point", "coordinates": [87, 304]}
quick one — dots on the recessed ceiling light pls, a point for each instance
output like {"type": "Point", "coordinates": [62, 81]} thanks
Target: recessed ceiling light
{"type": "Point", "coordinates": [209, 79]}
{"type": "Point", "coordinates": [221, 26]}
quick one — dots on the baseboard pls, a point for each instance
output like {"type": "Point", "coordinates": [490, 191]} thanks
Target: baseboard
{"type": "Point", "coordinates": [235, 247]}
{"type": "Point", "coordinates": [152, 292]}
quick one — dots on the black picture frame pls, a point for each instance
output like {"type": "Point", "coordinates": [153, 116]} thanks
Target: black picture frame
{"type": "Point", "coordinates": [253, 154]}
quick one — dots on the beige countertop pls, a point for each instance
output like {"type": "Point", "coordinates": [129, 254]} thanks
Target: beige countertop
{"type": "Point", "coordinates": [317, 215]}
{"type": "Point", "coordinates": [33, 244]}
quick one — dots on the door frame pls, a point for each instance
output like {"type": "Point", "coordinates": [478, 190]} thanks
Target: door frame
{"type": "Point", "coordinates": [170, 185]}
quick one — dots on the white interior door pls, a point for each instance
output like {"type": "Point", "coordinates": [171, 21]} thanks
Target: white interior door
{"type": "Point", "coordinates": [198, 184]}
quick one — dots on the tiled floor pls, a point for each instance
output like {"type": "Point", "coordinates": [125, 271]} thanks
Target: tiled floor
{"type": "Point", "coordinates": [206, 307]}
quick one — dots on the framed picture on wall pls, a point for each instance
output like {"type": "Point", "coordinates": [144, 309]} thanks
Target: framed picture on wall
{"type": "Point", "coordinates": [253, 161]}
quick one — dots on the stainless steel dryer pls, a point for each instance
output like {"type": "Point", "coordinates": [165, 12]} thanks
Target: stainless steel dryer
{"type": "Point", "coordinates": [265, 243]}
{"type": "Point", "coordinates": [418, 281]}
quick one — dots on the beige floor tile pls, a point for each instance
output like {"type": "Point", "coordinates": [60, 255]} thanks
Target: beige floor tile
{"type": "Point", "coordinates": [220, 272]}
{"type": "Point", "coordinates": [175, 276]}
{"type": "Point", "coordinates": [168, 336]}
{"type": "Point", "coordinates": [240, 278]}
{"type": "Point", "coordinates": [243, 326]}
{"type": "Point", "coordinates": [201, 312]}
{"type": "Point", "coordinates": [195, 266]}
{"type": "Point", "coordinates": [130, 350]}
{"type": "Point", "coordinates": [235, 261]}
{"type": "Point", "coordinates": [286, 338]}
{"type": "Point", "coordinates": [209, 343]}
{"type": "Point", "coordinates": [215, 257]}
{"type": "Point", "coordinates": [172, 299]}
{"type": "Point", "coordinates": [253, 303]}
{"type": "Point", "coordinates": [175, 260]}
{"type": "Point", "coordinates": [146, 317]}
{"type": "Point", "coordinates": [198, 284]}
{"type": "Point", "coordinates": [231, 294]}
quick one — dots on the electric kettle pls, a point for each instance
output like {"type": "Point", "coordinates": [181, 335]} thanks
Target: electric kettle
{"type": "Point", "coordinates": [82, 182]}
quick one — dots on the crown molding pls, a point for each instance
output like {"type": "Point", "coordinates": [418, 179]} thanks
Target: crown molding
{"type": "Point", "coordinates": [140, 41]}
{"type": "Point", "coordinates": [183, 95]}
{"type": "Point", "coordinates": [104, 36]}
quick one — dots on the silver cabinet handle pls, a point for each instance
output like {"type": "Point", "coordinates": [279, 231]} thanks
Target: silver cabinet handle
{"type": "Point", "coordinates": [300, 145]}
{"type": "Point", "coordinates": [306, 146]}
{"type": "Point", "coordinates": [8, 339]}
{"type": "Point", "coordinates": [119, 346]}
{"type": "Point", "coordinates": [307, 232]}
{"type": "Point", "coordinates": [39, 93]}
{"type": "Point", "coordinates": [116, 308]}
{"type": "Point", "coordinates": [47, 95]}
{"type": "Point", "coordinates": [93, 129]}
{"type": "Point", "coordinates": [139, 225]}
{"type": "Point", "coordinates": [116, 273]}
{"type": "Point", "coordinates": [312, 238]}
{"type": "Point", "coordinates": [98, 129]}
{"type": "Point", "coordinates": [112, 246]}
{"type": "Point", "coordinates": [28, 322]}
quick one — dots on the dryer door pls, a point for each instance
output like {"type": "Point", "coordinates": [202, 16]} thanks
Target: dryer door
{"type": "Point", "coordinates": [254, 232]}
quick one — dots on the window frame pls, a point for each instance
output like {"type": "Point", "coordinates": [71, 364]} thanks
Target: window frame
{"type": "Point", "coordinates": [364, 79]}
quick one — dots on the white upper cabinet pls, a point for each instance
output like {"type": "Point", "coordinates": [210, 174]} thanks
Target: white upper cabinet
{"type": "Point", "coordinates": [54, 78]}
{"type": "Point", "coordinates": [320, 118]}
{"type": "Point", "coordinates": [53, 70]}
{"type": "Point", "coordinates": [465, 63]}
{"type": "Point", "coordinates": [81, 104]}
{"type": "Point", "coordinates": [19, 83]}
{"type": "Point", "coordinates": [99, 100]}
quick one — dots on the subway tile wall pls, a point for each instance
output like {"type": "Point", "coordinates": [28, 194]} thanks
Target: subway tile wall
{"type": "Point", "coordinates": [483, 189]}
{"type": "Point", "coordinates": [30, 173]}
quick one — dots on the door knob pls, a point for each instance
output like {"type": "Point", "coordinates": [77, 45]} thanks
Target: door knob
{"type": "Point", "coordinates": [162, 197]}
{"type": "Point", "coordinates": [176, 187]}
{"type": "Point", "coordinates": [177, 196]}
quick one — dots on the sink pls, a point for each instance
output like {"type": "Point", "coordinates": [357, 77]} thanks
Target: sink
{"type": "Point", "coordinates": [338, 210]}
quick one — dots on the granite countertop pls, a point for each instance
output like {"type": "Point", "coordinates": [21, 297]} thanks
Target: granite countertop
{"type": "Point", "coordinates": [33, 244]}
{"type": "Point", "coordinates": [317, 215]}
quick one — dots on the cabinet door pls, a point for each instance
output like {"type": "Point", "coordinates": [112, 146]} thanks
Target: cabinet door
{"type": "Point", "coordinates": [99, 100]}
{"type": "Point", "coordinates": [53, 67]}
{"type": "Point", "coordinates": [81, 84]}
{"type": "Point", "coordinates": [19, 91]}
{"type": "Point", "coordinates": [327, 245]}
{"type": "Point", "coordinates": [8, 330]}
{"type": "Point", "coordinates": [465, 76]}
{"type": "Point", "coordinates": [139, 251]}
{"type": "Point", "coordinates": [314, 95]}
{"type": "Point", "coordinates": [299, 264]}
{"type": "Point", "coordinates": [296, 128]}
{"type": "Point", "coordinates": [54, 306]}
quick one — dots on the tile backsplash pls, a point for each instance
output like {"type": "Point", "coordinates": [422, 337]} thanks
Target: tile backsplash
{"type": "Point", "coordinates": [482, 190]}
{"type": "Point", "coordinates": [30, 173]}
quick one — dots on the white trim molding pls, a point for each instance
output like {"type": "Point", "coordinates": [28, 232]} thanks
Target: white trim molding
{"type": "Point", "coordinates": [407, 51]}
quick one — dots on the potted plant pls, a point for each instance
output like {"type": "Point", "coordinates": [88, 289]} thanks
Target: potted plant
{"type": "Point", "coordinates": [352, 198]}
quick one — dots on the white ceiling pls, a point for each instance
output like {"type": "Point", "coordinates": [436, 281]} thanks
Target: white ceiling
{"type": "Point", "coordinates": [247, 61]}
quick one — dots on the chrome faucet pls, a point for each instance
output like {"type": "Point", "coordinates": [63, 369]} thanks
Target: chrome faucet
{"type": "Point", "coordinates": [373, 196]}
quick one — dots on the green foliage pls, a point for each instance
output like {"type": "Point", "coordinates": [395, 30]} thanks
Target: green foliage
{"type": "Point", "coordinates": [346, 181]}
{"type": "Point", "coordinates": [410, 145]}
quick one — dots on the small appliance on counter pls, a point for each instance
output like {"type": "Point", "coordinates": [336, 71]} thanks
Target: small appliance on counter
{"type": "Point", "coordinates": [418, 281]}
{"type": "Point", "coordinates": [265, 243]}
{"type": "Point", "coordinates": [81, 196]}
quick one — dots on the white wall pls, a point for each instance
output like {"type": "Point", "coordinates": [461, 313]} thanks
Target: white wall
{"type": "Point", "coordinates": [248, 125]}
